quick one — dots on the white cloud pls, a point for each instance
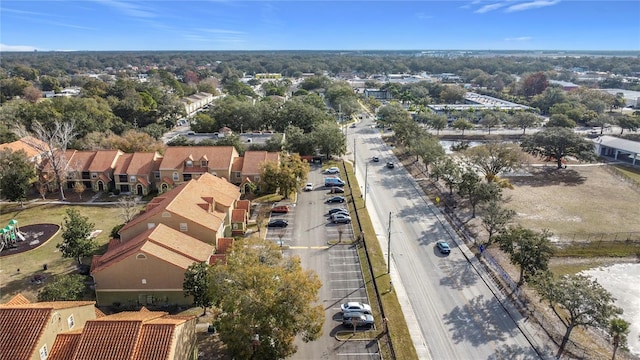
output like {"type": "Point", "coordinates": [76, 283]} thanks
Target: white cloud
{"type": "Point", "coordinates": [127, 8]}
{"type": "Point", "coordinates": [223, 31]}
{"type": "Point", "coordinates": [490, 7]}
{"type": "Point", "coordinates": [531, 5]}
{"type": "Point", "coordinates": [519, 38]}
{"type": "Point", "coordinates": [423, 16]}
{"type": "Point", "coordinates": [4, 47]}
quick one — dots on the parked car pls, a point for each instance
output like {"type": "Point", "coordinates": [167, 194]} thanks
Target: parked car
{"type": "Point", "coordinates": [339, 218]}
{"type": "Point", "coordinates": [282, 209]}
{"type": "Point", "coordinates": [333, 181]}
{"type": "Point", "coordinates": [308, 187]}
{"type": "Point", "coordinates": [278, 223]}
{"type": "Point", "coordinates": [336, 210]}
{"type": "Point", "coordinates": [443, 246]}
{"type": "Point", "coordinates": [336, 190]}
{"type": "Point", "coordinates": [358, 319]}
{"type": "Point", "coordinates": [341, 212]}
{"type": "Point", "coordinates": [355, 306]}
{"type": "Point", "coordinates": [332, 170]}
{"type": "Point", "coordinates": [375, 159]}
{"type": "Point", "coordinates": [390, 165]}
{"type": "Point", "coordinates": [335, 199]}
{"type": "Point", "coordinates": [353, 125]}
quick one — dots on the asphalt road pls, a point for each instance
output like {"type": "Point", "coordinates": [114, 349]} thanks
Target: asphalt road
{"type": "Point", "coordinates": [451, 312]}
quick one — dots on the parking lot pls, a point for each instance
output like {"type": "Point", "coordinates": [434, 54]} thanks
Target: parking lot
{"type": "Point", "coordinates": [327, 249]}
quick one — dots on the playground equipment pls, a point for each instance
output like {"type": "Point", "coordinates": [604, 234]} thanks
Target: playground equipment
{"type": "Point", "coordinates": [10, 235]}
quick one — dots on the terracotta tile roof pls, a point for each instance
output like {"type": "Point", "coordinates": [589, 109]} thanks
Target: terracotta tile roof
{"type": "Point", "coordinates": [29, 145]}
{"type": "Point", "coordinates": [142, 181]}
{"type": "Point", "coordinates": [122, 164]}
{"type": "Point", "coordinates": [109, 339]}
{"type": "Point", "coordinates": [141, 163]}
{"type": "Point", "coordinates": [218, 259]}
{"type": "Point", "coordinates": [237, 164]}
{"type": "Point", "coordinates": [220, 157]}
{"type": "Point", "coordinates": [253, 161]}
{"type": "Point", "coordinates": [27, 326]}
{"type": "Point", "coordinates": [104, 178]}
{"type": "Point", "coordinates": [65, 345]}
{"type": "Point", "coordinates": [155, 342]}
{"type": "Point", "coordinates": [104, 160]}
{"type": "Point", "coordinates": [167, 180]}
{"type": "Point", "coordinates": [79, 160]}
{"type": "Point", "coordinates": [99, 313]}
{"type": "Point", "coordinates": [18, 300]}
{"type": "Point", "coordinates": [223, 245]}
{"type": "Point", "coordinates": [238, 215]}
{"type": "Point", "coordinates": [162, 242]}
{"type": "Point", "coordinates": [184, 201]}
{"type": "Point", "coordinates": [243, 204]}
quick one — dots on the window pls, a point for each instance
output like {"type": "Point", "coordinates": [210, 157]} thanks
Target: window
{"type": "Point", "coordinates": [186, 177]}
{"type": "Point", "coordinates": [166, 214]}
{"type": "Point", "coordinates": [144, 281]}
{"type": "Point", "coordinates": [70, 322]}
{"type": "Point", "coordinates": [94, 175]}
{"type": "Point", "coordinates": [141, 257]}
{"type": "Point", "coordinates": [256, 178]}
{"type": "Point", "coordinates": [43, 352]}
{"type": "Point", "coordinates": [70, 175]}
{"type": "Point", "coordinates": [237, 174]}
{"type": "Point", "coordinates": [175, 176]}
{"type": "Point", "coordinates": [156, 174]}
{"type": "Point", "coordinates": [132, 179]}
{"type": "Point", "coordinates": [183, 227]}
{"type": "Point", "coordinates": [189, 163]}
{"type": "Point", "coordinates": [235, 226]}
{"type": "Point", "coordinates": [151, 225]}
{"type": "Point", "coordinates": [203, 163]}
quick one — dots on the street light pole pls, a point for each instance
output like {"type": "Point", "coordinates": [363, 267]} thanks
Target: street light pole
{"type": "Point", "coordinates": [354, 156]}
{"type": "Point", "coordinates": [366, 173]}
{"type": "Point", "coordinates": [389, 246]}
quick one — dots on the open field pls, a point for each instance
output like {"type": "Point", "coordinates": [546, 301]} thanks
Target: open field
{"type": "Point", "coordinates": [31, 262]}
{"type": "Point", "coordinates": [574, 202]}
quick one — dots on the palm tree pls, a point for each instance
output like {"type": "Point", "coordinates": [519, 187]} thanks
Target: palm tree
{"type": "Point", "coordinates": [618, 329]}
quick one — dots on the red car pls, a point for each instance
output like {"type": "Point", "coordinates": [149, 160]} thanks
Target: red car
{"type": "Point", "coordinates": [283, 209]}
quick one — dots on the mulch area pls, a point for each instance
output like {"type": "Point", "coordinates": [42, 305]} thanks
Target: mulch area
{"type": "Point", "coordinates": [34, 235]}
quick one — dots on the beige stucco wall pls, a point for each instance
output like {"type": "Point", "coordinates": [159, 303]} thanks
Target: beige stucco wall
{"type": "Point", "coordinates": [126, 298]}
{"type": "Point", "coordinates": [59, 322]}
{"type": "Point", "coordinates": [185, 341]}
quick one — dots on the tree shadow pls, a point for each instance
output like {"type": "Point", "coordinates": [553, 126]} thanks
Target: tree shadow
{"type": "Point", "coordinates": [459, 273]}
{"type": "Point", "coordinates": [514, 352]}
{"type": "Point", "coordinates": [479, 322]}
{"type": "Point", "coordinates": [546, 176]}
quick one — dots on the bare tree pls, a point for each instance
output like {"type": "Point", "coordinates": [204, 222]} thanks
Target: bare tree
{"type": "Point", "coordinates": [51, 142]}
{"type": "Point", "coordinates": [128, 207]}
{"type": "Point", "coordinates": [79, 188]}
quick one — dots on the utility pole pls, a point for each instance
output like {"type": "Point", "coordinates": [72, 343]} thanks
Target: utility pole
{"type": "Point", "coordinates": [389, 246]}
{"type": "Point", "coordinates": [354, 156]}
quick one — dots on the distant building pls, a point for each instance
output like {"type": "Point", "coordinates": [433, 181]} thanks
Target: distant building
{"type": "Point", "coordinates": [566, 85]}
{"type": "Point", "coordinates": [268, 76]}
{"type": "Point", "coordinates": [378, 94]}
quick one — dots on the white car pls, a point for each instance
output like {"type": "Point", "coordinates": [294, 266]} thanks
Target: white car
{"type": "Point", "coordinates": [356, 306]}
{"type": "Point", "coordinates": [340, 218]}
{"type": "Point", "coordinates": [332, 170]}
{"type": "Point", "coordinates": [308, 187]}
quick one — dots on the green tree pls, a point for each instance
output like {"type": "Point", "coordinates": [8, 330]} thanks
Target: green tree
{"type": "Point", "coordinates": [528, 249]}
{"type": "Point", "coordinates": [618, 329]}
{"type": "Point", "coordinates": [462, 124]}
{"type": "Point", "coordinates": [232, 140]}
{"type": "Point", "coordinates": [489, 121]}
{"type": "Point", "coordinates": [63, 288]}
{"type": "Point", "coordinates": [561, 120]}
{"type": "Point", "coordinates": [448, 170]}
{"type": "Point", "coordinates": [493, 158]}
{"type": "Point", "coordinates": [477, 192]}
{"type": "Point", "coordinates": [265, 296]}
{"type": "Point", "coordinates": [495, 218]}
{"type": "Point", "coordinates": [437, 122]}
{"type": "Point", "coordinates": [76, 240]}
{"type": "Point", "coordinates": [631, 123]}
{"type": "Point", "coordinates": [285, 177]}
{"type": "Point", "coordinates": [17, 175]}
{"type": "Point", "coordinates": [428, 149]}
{"type": "Point", "coordinates": [329, 139]}
{"type": "Point", "coordinates": [197, 284]}
{"type": "Point", "coordinates": [526, 120]}
{"type": "Point", "coordinates": [602, 121]}
{"type": "Point", "coordinates": [549, 97]}
{"type": "Point", "coordinates": [299, 142]}
{"type": "Point", "coordinates": [558, 143]}
{"type": "Point", "coordinates": [578, 301]}
{"type": "Point", "coordinates": [535, 84]}
{"type": "Point", "coordinates": [452, 94]}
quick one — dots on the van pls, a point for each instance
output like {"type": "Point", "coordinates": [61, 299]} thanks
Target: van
{"type": "Point", "coordinates": [330, 182]}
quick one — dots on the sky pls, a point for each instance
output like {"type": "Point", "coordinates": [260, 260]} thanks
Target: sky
{"type": "Point", "coordinates": [102, 25]}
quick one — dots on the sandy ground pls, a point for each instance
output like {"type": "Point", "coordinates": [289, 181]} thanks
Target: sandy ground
{"type": "Point", "coordinates": [621, 280]}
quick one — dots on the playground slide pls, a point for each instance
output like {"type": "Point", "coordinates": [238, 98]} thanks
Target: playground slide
{"type": "Point", "coordinates": [20, 236]}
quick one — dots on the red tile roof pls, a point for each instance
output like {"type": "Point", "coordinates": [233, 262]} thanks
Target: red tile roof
{"type": "Point", "coordinates": [18, 300]}
{"type": "Point", "coordinates": [21, 329]}
{"type": "Point", "coordinates": [253, 161]}
{"type": "Point", "coordinates": [238, 215]}
{"type": "Point", "coordinates": [122, 164]}
{"type": "Point", "coordinates": [162, 242]}
{"type": "Point", "coordinates": [243, 204]}
{"type": "Point", "coordinates": [65, 345]}
{"type": "Point", "coordinates": [237, 164]}
{"type": "Point", "coordinates": [155, 341]}
{"type": "Point", "coordinates": [79, 160]}
{"type": "Point", "coordinates": [104, 160]}
{"type": "Point", "coordinates": [223, 245]}
{"type": "Point", "coordinates": [30, 145]}
{"type": "Point", "coordinates": [219, 157]}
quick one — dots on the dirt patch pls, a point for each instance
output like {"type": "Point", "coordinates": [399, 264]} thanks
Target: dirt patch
{"type": "Point", "coordinates": [34, 236]}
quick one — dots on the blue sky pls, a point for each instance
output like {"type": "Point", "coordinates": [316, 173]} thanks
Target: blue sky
{"type": "Point", "coordinates": [319, 25]}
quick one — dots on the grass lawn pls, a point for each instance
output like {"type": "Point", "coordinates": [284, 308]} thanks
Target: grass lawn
{"type": "Point", "coordinates": [31, 262]}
